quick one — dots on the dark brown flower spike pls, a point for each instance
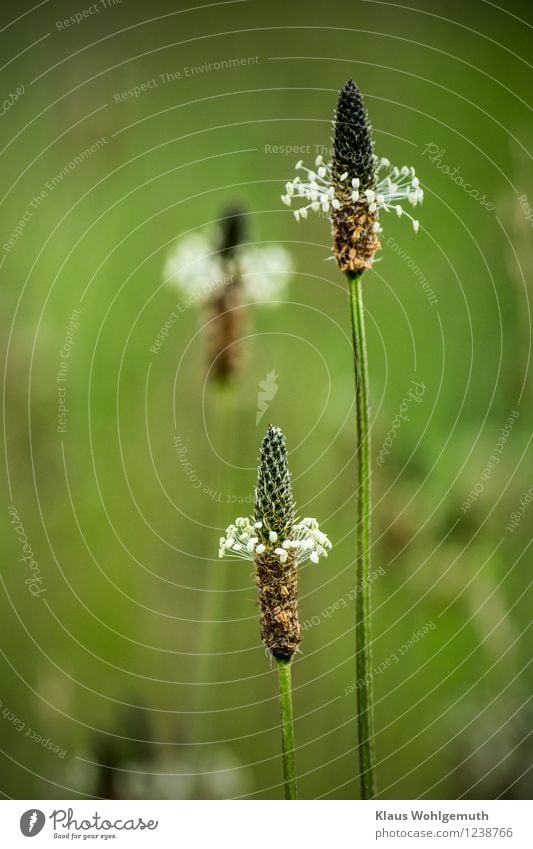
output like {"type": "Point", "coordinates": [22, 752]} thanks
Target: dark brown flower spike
{"type": "Point", "coordinates": [277, 543]}
{"type": "Point", "coordinates": [355, 222]}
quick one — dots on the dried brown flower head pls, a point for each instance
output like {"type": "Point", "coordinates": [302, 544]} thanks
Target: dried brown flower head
{"type": "Point", "coordinates": [277, 543]}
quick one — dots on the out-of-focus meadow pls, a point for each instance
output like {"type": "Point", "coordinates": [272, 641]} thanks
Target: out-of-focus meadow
{"type": "Point", "coordinates": [131, 664]}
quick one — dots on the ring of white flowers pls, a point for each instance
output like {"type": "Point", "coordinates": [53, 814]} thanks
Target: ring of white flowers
{"type": "Point", "coordinates": [306, 539]}
{"type": "Point", "coordinates": [320, 190]}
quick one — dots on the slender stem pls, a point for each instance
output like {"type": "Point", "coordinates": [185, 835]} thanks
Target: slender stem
{"type": "Point", "coordinates": [364, 689]}
{"type": "Point", "coordinates": [287, 729]}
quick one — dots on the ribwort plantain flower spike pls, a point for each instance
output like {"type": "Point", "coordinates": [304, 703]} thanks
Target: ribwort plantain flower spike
{"type": "Point", "coordinates": [354, 187]}
{"type": "Point", "coordinates": [277, 542]}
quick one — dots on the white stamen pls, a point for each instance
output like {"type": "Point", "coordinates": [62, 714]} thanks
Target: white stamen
{"type": "Point", "coordinates": [321, 191]}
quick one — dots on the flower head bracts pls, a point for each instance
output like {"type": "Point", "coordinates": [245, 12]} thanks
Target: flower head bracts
{"type": "Point", "coordinates": [354, 187]}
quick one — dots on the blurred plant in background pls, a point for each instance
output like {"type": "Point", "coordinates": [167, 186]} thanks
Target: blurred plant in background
{"type": "Point", "coordinates": [225, 276]}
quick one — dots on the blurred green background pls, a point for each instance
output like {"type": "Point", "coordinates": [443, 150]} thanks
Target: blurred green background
{"type": "Point", "coordinates": [137, 671]}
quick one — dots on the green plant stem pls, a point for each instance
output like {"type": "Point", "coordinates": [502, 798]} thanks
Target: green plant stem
{"type": "Point", "coordinates": [287, 729]}
{"type": "Point", "coordinates": [364, 689]}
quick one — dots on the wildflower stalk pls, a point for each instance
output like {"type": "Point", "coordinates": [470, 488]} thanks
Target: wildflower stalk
{"type": "Point", "coordinates": [354, 188]}
{"type": "Point", "coordinates": [277, 582]}
{"type": "Point", "coordinates": [277, 542]}
{"type": "Point", "coordinates": [363, 657]}
{"type": "Point", "coordinates": [287, 729]}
